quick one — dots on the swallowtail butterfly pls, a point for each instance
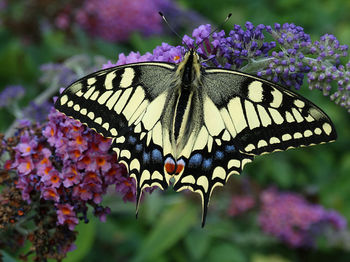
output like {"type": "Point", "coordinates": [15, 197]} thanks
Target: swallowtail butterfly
{"type": "Point", "coordinates": [196, 125]}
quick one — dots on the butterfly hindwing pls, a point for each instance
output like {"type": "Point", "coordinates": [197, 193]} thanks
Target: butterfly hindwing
{"type": "Point", "coordinates": [210, 164]}
{"type": "Point", "coordinates": [143, 157]}
{"type": "Point", "coordinates": [263, 117]}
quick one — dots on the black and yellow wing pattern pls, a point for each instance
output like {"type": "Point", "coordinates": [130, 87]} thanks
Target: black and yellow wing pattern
{"type": "Point", "coordinates": [126, 104]}
{"type": "Point", "coordinates": [198, 125]}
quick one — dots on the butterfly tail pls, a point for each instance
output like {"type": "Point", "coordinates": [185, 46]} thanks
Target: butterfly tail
{"type": "Point", "coordinates": [205, 204]}
{"type": "Point", "coordinates": [138, 200]}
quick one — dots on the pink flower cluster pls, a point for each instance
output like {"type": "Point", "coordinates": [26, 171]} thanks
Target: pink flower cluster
{"type": "Point", "coordinates": [69, 165]}
{"type": "Point", "coordinates": [163, 53]}
{"type": "Point", "coordinates": [116, 20]}
{"type": "Point", "coordinates": [241, 204]}
{"type": "Point", "coordinates": [293, 220]}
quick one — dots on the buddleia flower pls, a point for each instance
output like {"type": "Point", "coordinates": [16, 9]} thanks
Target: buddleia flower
{"type": "Point", "coordinates": [289, 59]}
{"type": "Point", "coordinates": [290, 218]}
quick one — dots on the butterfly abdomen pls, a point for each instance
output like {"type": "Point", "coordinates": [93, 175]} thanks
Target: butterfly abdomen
{"type": "Point", "coordinates": [182, 113]}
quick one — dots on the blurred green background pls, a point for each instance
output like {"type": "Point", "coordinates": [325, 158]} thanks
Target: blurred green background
{"type": "Point", "coordinates": [168, 227]}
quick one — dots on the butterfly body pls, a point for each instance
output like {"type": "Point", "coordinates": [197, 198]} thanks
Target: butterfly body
{"type": "Point", "coordinates": [197, 125]}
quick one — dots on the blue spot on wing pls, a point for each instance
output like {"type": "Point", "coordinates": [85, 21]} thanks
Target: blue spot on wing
{"type": "Point", "coordinates": [132, 140]}
{"type": "Point", "coordinates": [207, 163]}
{"type": "Point", "coordinates": [230, 149]}
{"type": "Point", "coordinates": [195, 160]}
{"type": "Point", "coordinates": [146, 157]}
{"type": "Point", "coordinates": [157, 155]}
{"type": "Point", "coordinates": [139, 147]}
{"type": "Point", "coordinates": [219, 155]}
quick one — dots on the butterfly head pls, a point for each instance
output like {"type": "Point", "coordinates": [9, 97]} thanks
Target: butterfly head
{"type": "Point", "coordinates": [189, 69]}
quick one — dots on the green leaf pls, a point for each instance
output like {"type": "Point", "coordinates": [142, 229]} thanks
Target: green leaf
{"type": "Point", "coordinates": [197, 243]}
{"type": "Point", "coordinates": [225, 252]}
{"type": "Point", "coordinates": [84, 242]}
{"type": "Point", "coordinates": [6, 257]}
{"type": "Point", "coordinates": [147, 44]}
{"type": "Point", "coordinates": [109, 50]}
{"type": "Point", "coordinates": [172, 226]}
{"type": "Point", "coordinates": [268, 258]}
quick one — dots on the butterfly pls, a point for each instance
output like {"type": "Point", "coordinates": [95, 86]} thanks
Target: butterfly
{"type": "Point", "coordinates": [193, 124]}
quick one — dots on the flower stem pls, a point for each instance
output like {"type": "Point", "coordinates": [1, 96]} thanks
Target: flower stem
{"type": "Point", "coordinates": [256, 65]}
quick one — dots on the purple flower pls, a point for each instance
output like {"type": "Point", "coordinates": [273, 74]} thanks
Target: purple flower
{"type": "Point", "coordinates": [164, 53]}
{"type": "Point", "coordinates": [25, 165]}
{"type": "Point", "coordinates": [287, 60]}
{"type": "Point", "coordinates": [62, 21]}
{"type": "Point", "coordinates": [102, 213]}
{"type": "Point", "coordinates": [37, 112]}
{"type": "Point", "coordinates": [66, 215]}
{"type": "Point", "coordinates": [133, 58]}
{"type": "Point", "coordinates": [3, 5]}
{"type": "Point", "coordinates": [27, 149]}
{"type": "Point", "coordinates": [241, 204]}
{"type": "Point", "coordinates": [201, 33]}
{"type": "Point", "coordinates": [11, 94]}
{"type": "Point", "coordinates": [293, 220]}
{"type": "Point", "coordinates": [49, 193]}
{"type": "Point", "coordinates": [59, 73]}
{"type": "Point", "coordinates": [68, 163]}
{"type": "Point", "coordinates": [71, 176]}
{"type": "Point", "coordinates": [112, 20]}
{"type": "Point", "coordinates": [326, 68]}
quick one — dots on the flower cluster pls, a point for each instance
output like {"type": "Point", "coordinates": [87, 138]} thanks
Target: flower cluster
{"type": "Point", "coordinates": [286, 60]}
{"type": "Point", "coordinates": [48, 239]}
{"type": "Point", "coordinates": [163, 53]}
{"type": "Point", "coordinates": [243, 46]}
{"type": "Point", "coordinates": [70, 166]}
{"type": "Point", "coordinates": [293, 220]}
{"type": "Point", "coordinates": [54, 14]}
{"type": "Point", "coordinates": [11, 94]}
{"type": "Point", "coordinates": [241, 204]}
{"type": "Point", "coordinates": [112, 21]}
{"type": "Point", "coordinates": [37, 112]}
{"type": "Point", "coordinates": [286, 65]}
{"type": "Point", "coordinates": [322, 74]}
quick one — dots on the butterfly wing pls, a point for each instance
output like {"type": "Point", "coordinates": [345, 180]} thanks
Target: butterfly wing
{"type": "Point", "coordinates": [262, 116]}
{"type": "Point", "coordinates": [126, 104]}
{"type": "Point", "coordinates": [244, 116]}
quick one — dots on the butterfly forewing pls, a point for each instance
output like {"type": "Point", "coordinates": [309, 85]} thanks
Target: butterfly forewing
{"type": "Point", "coordinates": [264, 117]}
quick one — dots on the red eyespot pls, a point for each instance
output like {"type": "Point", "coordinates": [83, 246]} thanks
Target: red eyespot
{"type": "Point", "coordinates": [169, 165]}
{"type": "Point", "coordinates": [180, 165]}
{"type": "Point", "coordinates": [173, 168]}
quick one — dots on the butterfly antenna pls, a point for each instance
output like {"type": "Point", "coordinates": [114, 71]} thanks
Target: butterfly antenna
{"type": "Point", "coordinates": [172, 30]}
{"type": "Point", "coordinates": [216, 29]}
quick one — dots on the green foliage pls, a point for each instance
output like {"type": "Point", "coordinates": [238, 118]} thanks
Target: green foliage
{"type": "Point", "coordinates": [6, 257]}
{"type": "Point", "coordinates": [171, 226]}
